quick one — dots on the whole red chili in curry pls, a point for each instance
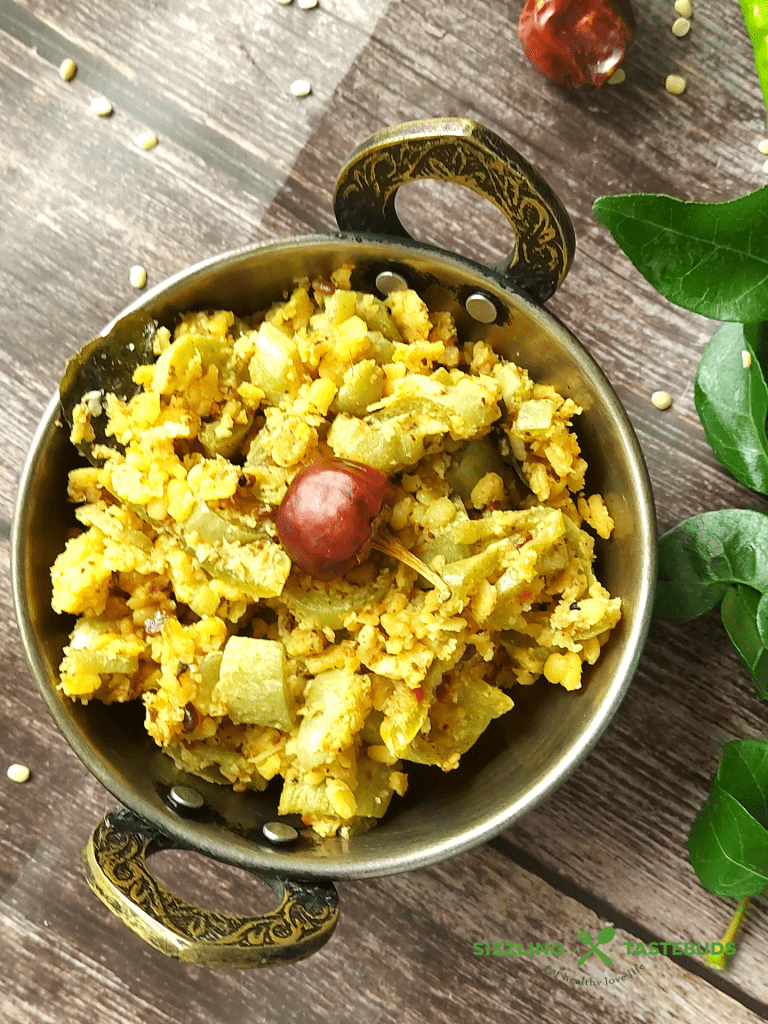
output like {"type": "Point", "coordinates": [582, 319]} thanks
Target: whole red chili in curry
{"type": "Point", "coordinates": [324, 520]}
{"type": "Point", "coordinates": [577, 43]}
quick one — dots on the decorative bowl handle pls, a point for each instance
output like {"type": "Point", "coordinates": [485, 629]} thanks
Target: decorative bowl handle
{"type": "Point", "coordinates": [461, 151]}
{"type": "Point", "coordinates": [115, 860]}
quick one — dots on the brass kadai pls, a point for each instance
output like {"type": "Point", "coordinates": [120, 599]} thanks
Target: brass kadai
{"type": "Point", "coordinates": [522, 758]}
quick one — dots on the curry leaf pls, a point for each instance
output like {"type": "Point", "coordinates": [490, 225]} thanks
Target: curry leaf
{"type": "Point", "coordinates": [739, 612]}
{"type": "Point", "coordinates": [728, 841]}
{"type": "Point", "coordinates": [710, 258]}
{"type": "Point", "coordinates": [702, 556]}
{"type": "Point", "coordinates": [732, 401]}
{"type": "Point", "coordinates": [756, 17]}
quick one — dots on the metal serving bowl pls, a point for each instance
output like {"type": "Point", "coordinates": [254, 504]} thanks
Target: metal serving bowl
{"type": "Point", "coordinates": [524, 755]}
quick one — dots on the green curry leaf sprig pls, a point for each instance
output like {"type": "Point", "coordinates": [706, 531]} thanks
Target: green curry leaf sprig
{"type": "Point", "coordinates": [719, 557]}
{"type": "Point", "coordinates": [731, 398]}
{"type": "Point", "coordinates": [712, 259]}
{"type": "Point", "coordinates": [728, 841]}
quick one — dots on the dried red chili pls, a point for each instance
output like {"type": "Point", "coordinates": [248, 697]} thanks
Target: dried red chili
{"type": "Point", "coordinates": [578, 43]}
{"type": "Point", "coordinates": [325, 519]}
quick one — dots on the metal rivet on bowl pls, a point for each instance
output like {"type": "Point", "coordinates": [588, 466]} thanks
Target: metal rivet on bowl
{"type": "Point", "coordinates": [481, 308]}
{"type": "Point", "coordinates": [390, 281]}
{"type": "Point", "coordinates": [184, 798]}
{"type": "Point", "coordinates": [279, 832]}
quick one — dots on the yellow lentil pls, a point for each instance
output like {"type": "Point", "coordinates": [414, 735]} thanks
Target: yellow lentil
{"type": "Point", "coordinates": [68, 69]}
{"type": "Point", "coordinates": [101, 106]}
{"type": "Point", "coordinates": [681, 27]}
{"type": "Point", "coordinates": [147, 140]}
{"type": "Point", "coordinates": [138, 276]}
{"type": "Point", "coordinates": [18, 773]}
{"type": "Point", "coordinates": [675, 84]}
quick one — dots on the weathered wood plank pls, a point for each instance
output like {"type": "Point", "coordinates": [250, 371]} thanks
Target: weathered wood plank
{"type": "Point", "coordinates": [231, 73]}
{"type": "Point", "coordinates": [615, 833]}
{"type": "Point", "coordinates": [403, 951]}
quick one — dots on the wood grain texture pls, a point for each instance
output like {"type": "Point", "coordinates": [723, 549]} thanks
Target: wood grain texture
{"type": "Point", "coordinates": [404, 953]}
{"type": "Point", "coordinates": [241, 160]}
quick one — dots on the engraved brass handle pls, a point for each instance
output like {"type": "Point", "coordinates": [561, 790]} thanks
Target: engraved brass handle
{"type": "Point", "coordinates": [461, 151]}
{"type": "Point", "coordinates": [115, 861]}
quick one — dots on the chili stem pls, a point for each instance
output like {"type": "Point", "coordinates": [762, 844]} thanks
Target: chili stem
{"type": "Point", "coordinates": [385, 542]}
{"type": "Point", "coordinates": [719, 961]}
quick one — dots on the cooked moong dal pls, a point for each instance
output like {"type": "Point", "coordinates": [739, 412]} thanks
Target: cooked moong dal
{"type": "Point", "coordinates": [250, 669]}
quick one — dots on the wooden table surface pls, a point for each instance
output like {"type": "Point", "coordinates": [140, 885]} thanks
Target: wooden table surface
{"type": "Point", "coordinates": [239, 160]}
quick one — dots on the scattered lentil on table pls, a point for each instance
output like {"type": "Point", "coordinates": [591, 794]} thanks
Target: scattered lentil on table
{"type": "Point", "coordinates": [101, 106]}
{"type": "Point", "coordinates": [307, 5]}
{"type": "Point", "coordinates": [681, 27]}
{"type": "Point", "coordinates": [762, 146]}
{"type": "Point", "coordinates": [301, 87]}
{"type": "Point", "coordinates": [146, 140]}
{"type": "Point", "coordinates": [67, 69]}
{"type": "Point", "coordinates": [684, 8]}
{"type": "Point", "coordinates": [138, 276]}
{"type": "Point", "coordinates": [746, 359]}
{"type": "Point", "coordinates": [661, 399]}
{"type": "Point", "coordinates": [675, 84]}
{"type": "Point", "coordinates": [18, 773]}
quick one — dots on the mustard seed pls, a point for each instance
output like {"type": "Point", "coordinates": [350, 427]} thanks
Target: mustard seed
{"type": "Point", "coordinates": [617, 77]}
{"type": "Point", "coordinates": [301, 88]}
{"type": "Point", "coordinates": [661, 399]}
{"type": "Point", "coordinates": [746, 359]}
{"type": "Point", "coordinates": [684, 8]}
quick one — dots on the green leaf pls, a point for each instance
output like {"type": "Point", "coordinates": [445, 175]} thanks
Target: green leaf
{"type": "Point", "coordinates": [728, 841]}
{"type": "Point", "coordinates": [710, 258]}
{"type": "Point", "coordinates": [702, 556]}
{"type": "Point", "coordinates": [756, 16]}
{"type": "Point", "coordinates": [739, 614]}
{"type": "Point", "coordinates": [732, 401]}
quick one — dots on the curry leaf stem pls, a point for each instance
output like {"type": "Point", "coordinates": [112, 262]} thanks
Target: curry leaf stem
{"type": "Point", "coordinates": [719, 961]}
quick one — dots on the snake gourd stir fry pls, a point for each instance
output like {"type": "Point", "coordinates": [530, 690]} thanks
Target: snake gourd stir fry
{"type": "Point", "coordinates": [250, 664]}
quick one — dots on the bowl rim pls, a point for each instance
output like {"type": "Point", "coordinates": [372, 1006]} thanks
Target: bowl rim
{"type": "Point", "coordinates": [304, 863]}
